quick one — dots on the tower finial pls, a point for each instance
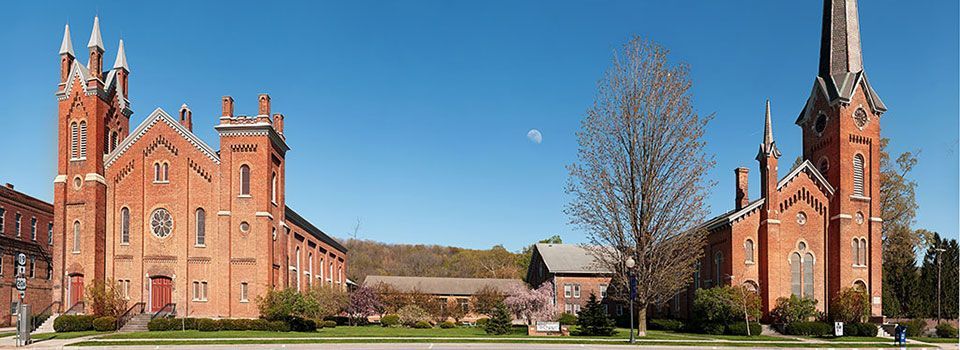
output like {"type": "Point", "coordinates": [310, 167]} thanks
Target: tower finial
{"type": "Point", "coordinates": [95, 40]}
{"type": "Point", "coordinates": [769, 146]}
{"type": "Point", "coordinates": [66, 47]}
{"type": "Point", "coordinates": [840, 39]}
{"type": "Point", "coordinates": [121, 61]}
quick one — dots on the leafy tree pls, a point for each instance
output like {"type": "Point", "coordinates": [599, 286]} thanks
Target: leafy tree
{"type": "Point", "coordinates": [532, 304]}
{"type": "Point", "coordinates": [794, 309]}
{"type": "Point", "coordinates": [851, 305]}
{"type": "Point", "coordinates": [106, 298]}
{"type": "Point", "coordinates": [319, 302]}
{"type": "Point", "coordinates": [900, 275]}
{"type": "Point", "coordinates": [898, 203]}
{"type": "Point", "coordinates": [725, 305]}
{"type": "Point", "coordinates": [364, 303]}
{"type": "Point", "coordinates": [593, 319]}
{"type": "Point", "coordinates": [391, 299]}
{"type": "Point", "coordinates": [486, 299]}
{"type": "Point", "coordinates": [639, 184]}
{"type": "Point", "coordinates": [949, 282]}
{"type": "Point", "coordinates": [499, 322]}
{"type": "Point", "coordinates": [278, 305]}
{"type": "Point", "coordinates": [411, 314]}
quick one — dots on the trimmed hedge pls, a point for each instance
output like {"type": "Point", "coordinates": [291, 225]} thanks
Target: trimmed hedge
{"type": "Point", "coordinates": [448, 325]}
{"type": "Point", "coordinates": [916, 327]}
{"type": "Point", "coordinates": [279, 326]}
{"type": "Point", "coordinates": [422, 325]}
{"type": "Point", "coordinates": [299, 324]}
{"type": "Point", "coordinates": [816, 329]}
{"type": "Point", "coordinates": [740, 328]}
{"type": "Point", "coordinates": [105, 324]}
{"type": "Point", "coordinates": [390, 320]}
{"type": "Point", "coordinates": [208, 325]}
{"type": "Point", "coordinates": [946, 330]}
{"type": "Point", "coordinates": [860, 329]}
{"type": "Point", "coordinates": [73, 323]}
{"type": "Point", "coordinates": [711, 328]}
{"type": "Point", "coordinates": [665, 325]}
{"type": "Point", "coordinates": [328, 324]}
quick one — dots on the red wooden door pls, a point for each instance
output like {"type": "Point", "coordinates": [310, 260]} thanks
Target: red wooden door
{"type": "Point", "coordinates": [161, 289]}
{"type": "Point", "coordinates": [76, 289]}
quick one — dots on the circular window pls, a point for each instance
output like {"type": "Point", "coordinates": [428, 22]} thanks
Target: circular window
{"type": "Point", "coordinates": [77, 182]}
{"type": "Point", "coordinates": [244, 227]}
{"type": "Point", "coordinates": [824, 166]}
{"type": "Point", "coordinates": [820, 124]}
{"type": "Point", "coordinates": [860, 117]}
{"type": "Point", "coordinates": [859, 218]}
{"type": "Point", "coordinates": [161, 223]}
{"type": "Point", "coordinates": [801, 218]}
{"type": "Point", "coordinates": [802, 245]}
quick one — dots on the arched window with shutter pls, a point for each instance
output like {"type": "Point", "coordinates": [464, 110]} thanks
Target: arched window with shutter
{"type": "Point", "coordinates": [855, 255]}
{"type": "Point", "coordinates": [808, 275]}
{"type": "Point", "coordinates": [858, 166]}
{"type": "Point", "coordinates": [244, 180]}
{"type": "Point", "coordinates": [309, 268]}
{"type": "Point", "coordinates": [74, 141]}
{"type": "Point", "coordinates": [125, 226]}
{"type": "Point", "coordinates": [748, 250]}
{"type": "Point", "coordinates": [83, 139]}
{"type": "Point", "coordinates": [76, 236]}
{"type": "Point", "coordinates": [795, 274]}
{"type": "Point", "coordinates": [201, 227]}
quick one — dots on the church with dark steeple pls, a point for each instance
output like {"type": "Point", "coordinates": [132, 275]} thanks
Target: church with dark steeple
{"type": "Point", "coordinates": [815, 231]}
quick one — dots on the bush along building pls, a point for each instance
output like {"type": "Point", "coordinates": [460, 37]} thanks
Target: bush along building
{"type": "Point", "coordinates": [816, 230]}
{"type": "Point", "coordinates": [175, 223]}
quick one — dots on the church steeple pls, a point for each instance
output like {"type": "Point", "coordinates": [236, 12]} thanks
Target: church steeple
{"type": "Point", "coordinates": [769, 147]}
{"type": "Point", "coordinates": [840, 39]}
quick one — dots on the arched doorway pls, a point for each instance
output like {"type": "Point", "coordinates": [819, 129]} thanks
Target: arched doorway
{"type": "Point", "coordinates": [75, 290]}
{"type": "Point", "coordinates": [161, 291]}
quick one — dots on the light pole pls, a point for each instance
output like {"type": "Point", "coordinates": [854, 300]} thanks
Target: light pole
{"type": "Point", "coordinates": [630, 264]}
{"type": "Point", "coordinates": [939, 267]}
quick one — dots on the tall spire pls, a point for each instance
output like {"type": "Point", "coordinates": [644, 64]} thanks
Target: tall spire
{"type": "Point", "coordinates": [769, 147]}
{"type": "Point", "coordinates": [95, 39]}
{"type": "Point", "coordinates": [66, 47]}
{"type": "Point", "coordinates": [840, 39]}
{"type": "Point", "coordinates": [121, 61]}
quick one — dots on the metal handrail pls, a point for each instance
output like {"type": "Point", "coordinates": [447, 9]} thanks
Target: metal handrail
{"type": "Point", "coordinates": [45, 310]}
{"type": "Point", "coordinates": [130, 313]}
{"type": "Point", "coordinates": [171, 306]}
{"type": "Point", "coordinates": [75, 309]}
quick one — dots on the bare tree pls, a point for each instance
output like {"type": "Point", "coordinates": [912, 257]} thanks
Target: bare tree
{"type": "Point", "coordinates": [638, 186]}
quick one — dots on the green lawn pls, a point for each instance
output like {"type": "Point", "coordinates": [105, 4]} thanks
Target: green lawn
{"type": "Point", "coordinates": [7, 334]}
{"type": "Point", "coordinates": [936, 340]}
{"type": "Point", "coordinates": [63, 335]}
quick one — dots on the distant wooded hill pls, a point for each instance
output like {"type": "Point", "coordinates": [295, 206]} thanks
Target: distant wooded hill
{"type": "Point", "coordinates": [377, 258]}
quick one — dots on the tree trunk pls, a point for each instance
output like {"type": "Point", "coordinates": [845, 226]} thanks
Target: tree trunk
{"type": "Point", "coordinates": [642, 321]}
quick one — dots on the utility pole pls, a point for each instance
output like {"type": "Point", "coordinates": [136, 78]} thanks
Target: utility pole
{"type": "Point", "coordinates": [939, 268]}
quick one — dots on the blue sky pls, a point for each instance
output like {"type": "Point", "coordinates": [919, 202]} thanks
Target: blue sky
{"type": "Point", "coordinates": [413, 116]}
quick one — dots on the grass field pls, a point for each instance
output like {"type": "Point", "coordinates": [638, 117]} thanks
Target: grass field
{"type": "Point", "coordinates": [63, 335]}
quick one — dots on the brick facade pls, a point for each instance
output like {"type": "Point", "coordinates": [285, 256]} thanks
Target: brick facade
{"type": "Point", "coordinates": [167, 217]}
{"type": "Point", "coordinates": [25, 223]}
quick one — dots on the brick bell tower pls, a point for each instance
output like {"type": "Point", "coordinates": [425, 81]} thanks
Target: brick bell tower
{"type": "Point", "coordinates": [841, 137]}
{"type": "Point", "coordinates": [93, 116]}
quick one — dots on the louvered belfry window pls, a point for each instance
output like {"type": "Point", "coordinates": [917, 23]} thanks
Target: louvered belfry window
{"type": "Point", "coordinates": [858, 175]}
{"type": "Point", "coordinates": [74, 137]}
{"type": "Point", "coordinates": [83, 139]}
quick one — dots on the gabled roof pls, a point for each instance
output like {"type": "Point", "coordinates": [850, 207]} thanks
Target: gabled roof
{"type": "Point", "coordinates": [300, 222]}
{"type": "Point", "coordinates": [732, 216]}
{"type": "Point", "coordinates": [808, 168]}
{"type": "Point", "coordinates": [569, 258]}
{"type": "Point", "coordinates": [160, 116]}
{"type": "Point", "coordinates": [443, 285]}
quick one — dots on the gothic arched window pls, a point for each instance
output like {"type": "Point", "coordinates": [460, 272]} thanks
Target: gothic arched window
{"type": "Point", "coordinates": [863, 252]}
{"type": "Point", "coordinates": [309, 268]}
{"type": "Point", "coordinates": [297, 268]}
{"type": "Point", "coordinates": [201, 227]}
{"type": "Point", "coordinates": [858, 166]}
{"type": "Point", "coordinates": [76, 236]}
{"type": "Point", "coordinates": [83, 139]}
{"type": "Point", "coordinates": [795, 274]}
{"type": "Point", "coordinates": [244, 180]}
{"type": "Point", "coordinates": [74, 141]}
{"type": "Point", "coordinates": [808, 275]}
{"type": "Point", "coordinates": [273, 187]}
{"type": "Point", "coordinates": [125, 226]}
{"type": "Point", "coordinates": [748, 250]}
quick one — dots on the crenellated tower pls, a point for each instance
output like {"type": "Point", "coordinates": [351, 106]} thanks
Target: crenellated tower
{"type": "Point", "coordinates": [841, 136]}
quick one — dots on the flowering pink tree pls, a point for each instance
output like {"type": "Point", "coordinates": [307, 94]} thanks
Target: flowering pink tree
{"type": "Point", "coordinates": [532, 304]}
{"type": "Point", "coordinates": [364, 302]}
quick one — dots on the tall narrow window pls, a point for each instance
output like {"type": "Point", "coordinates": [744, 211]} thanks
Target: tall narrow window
{"type": "Point", "coordinates": [33, 266]}
{"type": "Point", "coordinates": [330, 276]}
{"type": "Point", "coordinates": [49, 233]}
{"type": "Point", "coordinates": [16, 223]}
{"type": "Point", "coordinates": [125, 226]}
{"type": "Point", "coordinates": [114, 140]}
{"type": "Point", "coordinates": [83, 139]}
{"type": "Point", "coordinates": [33, 229]}
{"type": "Point", "coordinates": [201, 227]}
{"type": "Point", "coordinates": [244, 180]}
{"type": "Point", "coordinates": [696, 276]}
{"type": "Point", "coordinates": [156, 172]}
{"type": "Point", "coordinates": [243, 292]}
{"type": "Point", "coordinates": [718, 267]}
{"type": "Point", "coordinates": [166, 171]}
{"type": "Point", "coordinates": [808, 275]}
{"type": "Point", "coordinates": [273, 188]}
{"type": "Point", "coordinates": [748, 250]}
{"type": "Point", "coordinates": [76, 236]}
{"type": "Point", "coordinates": [74, 141]}
{"type": "Point", "coordinates": [863, 252]}
{"type": "Point", "coordinates": [309, 268]}
{"type": "Point", "coordinates": [320, 270]}
{"type": "Point", "coordinates": [855, 252]}
{"type": "Point", "coordinates": [795, 274]}
{"type": "Point", "coordinates": [2, 221]}
{"type": "Point", "coordinates": [858, 175]}
{"type": "Point", "coordinates": [297, 269]}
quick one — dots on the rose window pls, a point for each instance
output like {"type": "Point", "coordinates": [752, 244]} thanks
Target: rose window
{"type": "Point", "coordinates": [161, 223]}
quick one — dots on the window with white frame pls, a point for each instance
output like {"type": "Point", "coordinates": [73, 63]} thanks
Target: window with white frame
{"type": "Point", "coordinates": [125, 226]}
{"type": "Point", "coordinates": [2, 213]}
{"type": "Point", "coordinates": [16, 223]}
{"type": "Point", "coordinates": [33, 229]}
{"type": "Point", "coordinates": [273, 188]}
{"type": "Point", "coordinates": [201, 227]}
{"type": "Point", "coordinates": [50, 233]}
{"type": "Point", "coordinates": [125, 288]}
{"type": "Point", "coordinates": [296, 270]}
{"type": "Point", "coordinates": [200, 290]}
{"type": "Point", "coordinates": [309, 268]}
{"type": "Point", "coordinates": [603, 291]}
{"type": "Point", "coordinates": [567, 291]}
{"type": "Point", "coordinates": [243, 292]}
{"type": "Point", "coordinates": [74, 143]}
{"type": "Point", "coordinates": [330, 276]}
{"type": "Point", "coordinates": [576, 290]}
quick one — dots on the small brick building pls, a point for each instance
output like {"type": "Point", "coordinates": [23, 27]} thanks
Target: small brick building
{"type": "Point", "coordinates": [25, 227]}
{"type": "Point", "coordinates": [166, 216]}
{"type": "Point", "coordinates": [815, 230]}
{"type": "Point", "coordinates": [575, 275]}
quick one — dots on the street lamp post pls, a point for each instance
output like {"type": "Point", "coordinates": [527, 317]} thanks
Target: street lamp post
{"type": "Point", "coordinates": [939, 267]}
{"type": "Point", "coordinates": [630, 264]}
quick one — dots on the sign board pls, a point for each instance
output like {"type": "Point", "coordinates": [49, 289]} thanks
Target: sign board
{"type": "Point", "coordinates": [838, 329]}
{"type": "Point", "coordinates": [21, 283]}
{"type": "Point", "coordinates": [548, 326]}
{"type": "Point", "coordinates": [21, 259]}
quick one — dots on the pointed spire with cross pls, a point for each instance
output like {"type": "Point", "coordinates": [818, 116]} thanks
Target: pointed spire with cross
{"type": "Point", "coordinates": [769, 147]}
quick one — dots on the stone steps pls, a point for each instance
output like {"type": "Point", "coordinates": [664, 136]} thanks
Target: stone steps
{"type": "Point", "coordinates": [46, 326]}
{"type": "Point", "coordinates": [137, 324]}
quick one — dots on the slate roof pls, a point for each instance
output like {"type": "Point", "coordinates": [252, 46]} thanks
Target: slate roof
{"type": "Point", "coordinates": [443, 285]}
{"type": "Point", "coordinates": [568, 258]}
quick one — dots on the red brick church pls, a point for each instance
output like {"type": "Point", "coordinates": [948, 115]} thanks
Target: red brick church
{"type": "Point", "coordinates": [814, 229]}
{"type": "Point", "coordinates": [174, 222]}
